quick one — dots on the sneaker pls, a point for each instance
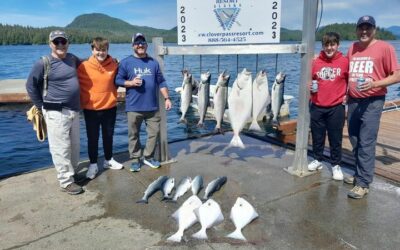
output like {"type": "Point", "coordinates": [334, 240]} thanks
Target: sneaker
{"type": "Point", "coordinates": [337, 173]}
{"type": "Point", "coordinates": [73, 188]}
{"type": "Point", "coordinates": [349, 180]}
{"type": "Point", "coordinates": [357, 192]}
{"type": "Point", "coordinates": [315, 165]}
{"type": "Point", "coordinates": [112, 164]}
{"type": "Point", "coordinates": [92, 171]}
{"type": "Point", "coordinates": [151, 163]}
{"type": "Point", "coordinates": [135, 167]}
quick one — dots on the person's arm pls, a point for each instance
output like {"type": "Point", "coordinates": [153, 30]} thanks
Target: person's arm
{"type": "Point", "coordinates": [391, 79]}
{"type": "Point", "coordinates": [121, 79]}
{"type": "Point", "coordinates": [34, 84]}
{"type": "Point", "coordinates": [168, 103]}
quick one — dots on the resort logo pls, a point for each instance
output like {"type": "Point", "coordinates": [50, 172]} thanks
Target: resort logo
{"type": "Point", "coordinates": [226, 12]}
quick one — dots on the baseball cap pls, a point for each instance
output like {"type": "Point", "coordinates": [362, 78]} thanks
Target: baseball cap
{"type": "Point", "coordinates": [366, 20]}
{"type": "Point", "coordinates": [138, 36]}
{"type": "Point", "coordinates": [56, 34]}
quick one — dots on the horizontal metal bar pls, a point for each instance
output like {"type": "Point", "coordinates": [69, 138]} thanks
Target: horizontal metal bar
{"type": "Point", "coordinates": [234, 49]}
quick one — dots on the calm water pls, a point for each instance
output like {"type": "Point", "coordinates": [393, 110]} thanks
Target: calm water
{"type": "Point", "coordinates": [20, 151]}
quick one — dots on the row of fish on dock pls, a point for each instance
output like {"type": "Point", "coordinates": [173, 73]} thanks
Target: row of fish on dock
{"type": "Point", "coordinates": [247, 100]}
{"type": "Point", "coordinates": [166, 185]}
{"type": "Point", "coordinates": [193, 210]}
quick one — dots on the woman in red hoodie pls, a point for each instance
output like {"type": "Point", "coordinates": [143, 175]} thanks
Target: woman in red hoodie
{"type": "Point", "coordinates": [327, 111]}
{"type": "Point", "coordinates": [99, 102]}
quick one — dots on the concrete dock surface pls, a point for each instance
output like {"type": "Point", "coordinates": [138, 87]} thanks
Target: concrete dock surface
{"type": "Point", "coordinates": [294, 213]}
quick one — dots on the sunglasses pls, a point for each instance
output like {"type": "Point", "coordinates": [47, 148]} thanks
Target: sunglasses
{"type": "Point", "coordinates": [60, 41]}
{"type": "Point", "coordinates": [143, 43]}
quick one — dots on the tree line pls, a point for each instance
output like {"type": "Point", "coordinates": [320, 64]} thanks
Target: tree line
{"type": "Point", "coordinates": [21, 35]}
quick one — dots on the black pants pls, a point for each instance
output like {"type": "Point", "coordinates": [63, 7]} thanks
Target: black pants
{"type": "Point", "coordinates": [94, 119]}
{"type": "Point", "coordinates": [329, 120]}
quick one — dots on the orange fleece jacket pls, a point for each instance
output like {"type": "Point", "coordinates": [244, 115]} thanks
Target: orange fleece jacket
{"type": "Point", "coordinates": [98, 91]}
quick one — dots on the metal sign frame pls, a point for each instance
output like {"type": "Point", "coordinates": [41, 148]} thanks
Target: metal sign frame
{"type": "Point", "coordinates": [306, 51]}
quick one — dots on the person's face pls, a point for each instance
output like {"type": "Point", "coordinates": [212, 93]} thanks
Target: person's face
{"type": "Point", "coordinates": [330, 49]}
{"type": "Point", "coordinates": [140, 48]}
{"type": "Point", "coordinates": [365, 33]}
{"type": "Point", "coordinates": [100, 54]}
{"type": "Point", "coordinates": [59, 47]}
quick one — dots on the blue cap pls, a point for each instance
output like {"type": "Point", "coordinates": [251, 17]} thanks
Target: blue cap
{"type": "Point", "coordinates": [366, 20]}
{"type": "Point", "coordinates": [138, 36]}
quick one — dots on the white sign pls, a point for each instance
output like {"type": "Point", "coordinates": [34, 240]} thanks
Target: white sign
{"type": "Point", "coordinates": [228, 21]}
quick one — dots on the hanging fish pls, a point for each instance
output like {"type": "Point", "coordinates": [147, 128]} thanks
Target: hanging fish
{"type": "Point", "coordinates": [220, 100]}
{"type": "Point", "coordinates": [260, 97]}
{"type": "Point", "coordinates": [239, 102]}
{"type": "Point", "coordinates": [277, 96]}
{"type": "Point", "coordinates": [186, 94]}
{"type": "Point", "coordinates": [203, 97]}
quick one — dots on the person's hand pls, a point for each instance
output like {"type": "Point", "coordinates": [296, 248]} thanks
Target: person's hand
{"type": "Point", "coordinates": [136, 82]}
{"type": "Point", "coordinates": [168, 104]}
{"type": "Point", "coordinates": [365, 86]}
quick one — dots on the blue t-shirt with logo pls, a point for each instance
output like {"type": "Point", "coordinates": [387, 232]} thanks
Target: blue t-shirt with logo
{"type": "Point", "coordinates": [145, 97]}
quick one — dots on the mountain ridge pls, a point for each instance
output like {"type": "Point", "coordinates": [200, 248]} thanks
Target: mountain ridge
{"type": "Point", "coordinates": [87, 26]}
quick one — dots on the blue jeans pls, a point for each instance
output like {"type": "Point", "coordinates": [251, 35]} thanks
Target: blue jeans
{"type": "Point", "coordinates": [364, 116]}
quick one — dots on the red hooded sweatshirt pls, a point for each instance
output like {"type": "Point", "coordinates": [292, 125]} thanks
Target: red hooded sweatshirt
{"type": "Point", "coordinates": [332, 76]}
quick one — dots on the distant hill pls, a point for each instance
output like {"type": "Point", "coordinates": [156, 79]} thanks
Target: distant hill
{"type": "Point", "coordinates": [84, 27]}
{"type": "Point", "coordinates": [395, 30]}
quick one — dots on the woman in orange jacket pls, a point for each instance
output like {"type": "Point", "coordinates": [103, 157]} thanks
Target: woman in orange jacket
{"type": "Point", "coordinates": [98, 95]}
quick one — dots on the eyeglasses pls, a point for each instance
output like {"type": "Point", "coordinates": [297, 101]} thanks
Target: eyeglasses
{"type": "Point", "coordinates": [143, 43]}
{"type": "Point", "coordinates": [60, 41]}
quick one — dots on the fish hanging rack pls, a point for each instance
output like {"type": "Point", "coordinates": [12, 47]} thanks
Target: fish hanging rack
{"type": "Point", "coordinates": [237, 50]}
{"type": "Point", "coordinates": [305, 49]}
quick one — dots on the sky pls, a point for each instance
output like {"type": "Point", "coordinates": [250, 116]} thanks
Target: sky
{"type": "Point", "coordinates": [162, 13]}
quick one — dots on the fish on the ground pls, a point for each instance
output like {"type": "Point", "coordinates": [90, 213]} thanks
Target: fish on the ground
{"type": "Point", "coordinates": [203, 96]}
{"type": "Point", "coordinates": [153, 188]}
{"type": "Point", "coordinates": [239, 105]}
{"type": "Point", "coordinates": [277, 96]}
{"type": "Point", "coordinates": [209, 214]}
{"type": "Point", "coordinates": [168, 186]}
{"type": "Point", "coordinates": [185, 217]}
{"type": "Point", "coordinates": [261, 98]}
{"type": "Point", "coordinates": [183, 186]}
{"type": "Point", "coordinates": [186, 94]}
{"type": "Point", "coordinates": [220, 99]}
{"type": "Point", "coordinates": [214, 186]}
{"type": "Point", "coordinates": [197, 184]}
{"type": "Point", "coordinates": [242, 213]}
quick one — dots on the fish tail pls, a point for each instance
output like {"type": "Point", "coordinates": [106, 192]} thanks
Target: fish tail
{"type": "Point", "coordinates": [202, 235]}
{"type": "Point", "coordinates": [254, 126]}
{"type": "Point", "coordinates": [177, 237]}
{"type": "Point", "coordinates": [142, 201]}
{"type": "Point", "coordinates": [200, 124]}
{"type": "Point", "coordinates": [236, 142]}
{"type": "Point", "coordinates": [237, 234]}
{"type": "Point", "coordinates": [166, 198]}
{"type": "Point", "coordinates": [183, 120]}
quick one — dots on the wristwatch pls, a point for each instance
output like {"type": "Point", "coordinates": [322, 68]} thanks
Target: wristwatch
{"type": "Point", "coordinates": [166, 98]}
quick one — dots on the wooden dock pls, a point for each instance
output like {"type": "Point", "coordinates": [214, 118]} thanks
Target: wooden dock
{"type": "Point", "coordinates": [387, 149]}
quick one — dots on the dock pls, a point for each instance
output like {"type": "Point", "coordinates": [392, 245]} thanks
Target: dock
{"type": "Point", "coordinates": [387, 150]}
{"type": "Point", "coordinates": [294, 213]}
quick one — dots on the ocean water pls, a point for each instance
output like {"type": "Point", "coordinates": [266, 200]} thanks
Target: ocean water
{"type": "Point", "coordinates": [21, 152]}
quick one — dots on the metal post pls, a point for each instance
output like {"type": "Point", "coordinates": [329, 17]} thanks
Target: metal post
{"type": "Point", "coordinates": [299, 166]}
{"type": "Point", "coordinates": [162, 152]}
